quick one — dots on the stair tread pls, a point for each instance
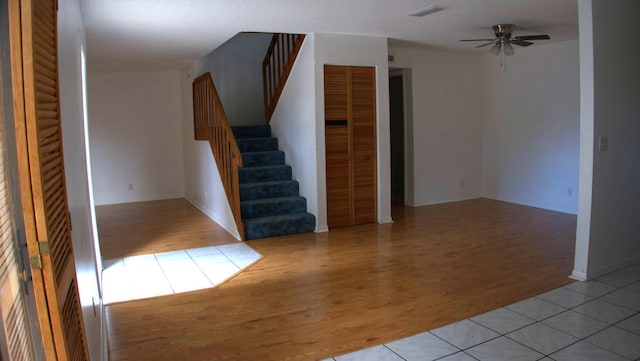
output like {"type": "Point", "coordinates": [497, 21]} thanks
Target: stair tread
{"type": "Point", "coordinates": [280, 217]}
{"type": "Point", "coordinates": [272, 200]}
{"type": "Point", "coordinates": [265, 167]}
{"type": "Point", "coordinates": [268, 183]}
{"type": "Point", "coordinates": [254, 138]}
{"type": "Point", "coordinates": [263, 158]}
{"type": "Point", "coordinates": [251, 130]}
{"type": "Point", "coordinates": [257, 144]}
{"type": "Point", "coordinates": [262, 152]}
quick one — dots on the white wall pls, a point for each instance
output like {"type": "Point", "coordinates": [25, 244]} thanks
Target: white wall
{"type": "Point", "coordinates": [607, 238]}
{"type": "Point", "coordinates": [447, 124]}
{"type": "Point", "coordinates": [135, 136]}
{"type": "Point", "coordinates": [236, 68]}
{"type": "Point", "coordinates": [203, 186]}
{"type": "Point", "coordinates": [531, 126]}
{"type": "Point", "coordinates": [71, 38]}
{"type": "Point", "coordinates": [294, 123]}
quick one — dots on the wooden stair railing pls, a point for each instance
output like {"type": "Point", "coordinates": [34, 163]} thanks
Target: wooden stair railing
{"type": "Point", "coordinates": [211, 123]}
{"type": "Point", "coordinates": [276, 66]}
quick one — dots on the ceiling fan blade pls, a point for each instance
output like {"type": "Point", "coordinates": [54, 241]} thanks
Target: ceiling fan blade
{"type": "Point", "coordinates": [521, 42]}
{"type": "Point", "coordinates": [478, 40]}
{"type": "Point", "coordinates": [533, 37]}
{"type": "Point", "coordinates": [483, 45]}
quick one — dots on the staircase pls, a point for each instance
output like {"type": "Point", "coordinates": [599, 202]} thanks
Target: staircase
{"type": "Point", "coordinates": [270, 203]}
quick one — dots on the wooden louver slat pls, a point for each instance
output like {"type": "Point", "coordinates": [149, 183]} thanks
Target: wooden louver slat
{"type": "Point", "coordinates": [72, 320]}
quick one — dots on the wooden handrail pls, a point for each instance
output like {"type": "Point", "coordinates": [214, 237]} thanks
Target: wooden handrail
{"type": "Point", "coordinates": [276, 66]}
{"type": "Point", "coordinates": [211, 123]}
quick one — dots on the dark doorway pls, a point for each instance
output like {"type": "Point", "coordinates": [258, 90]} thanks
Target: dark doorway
{"type": "Point", "coordinates": [396, 105]}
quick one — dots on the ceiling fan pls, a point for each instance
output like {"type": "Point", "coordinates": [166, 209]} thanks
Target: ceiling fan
{"type": "Point", "coordinates": [504, 40]}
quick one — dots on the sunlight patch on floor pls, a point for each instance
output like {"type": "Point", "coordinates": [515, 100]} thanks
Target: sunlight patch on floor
{"type": "Point", "coordinates": [151, 275]}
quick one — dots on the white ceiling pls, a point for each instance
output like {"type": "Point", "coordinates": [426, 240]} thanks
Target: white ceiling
{"type": "Point", "coordinates": [167, 34]}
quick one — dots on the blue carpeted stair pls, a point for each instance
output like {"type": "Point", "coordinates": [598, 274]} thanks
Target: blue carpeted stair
{"type": "Point", "coordinates": [269, 198]}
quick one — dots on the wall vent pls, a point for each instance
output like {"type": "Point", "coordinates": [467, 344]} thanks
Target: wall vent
{"type": "Point", "coordinates": [425, 11]}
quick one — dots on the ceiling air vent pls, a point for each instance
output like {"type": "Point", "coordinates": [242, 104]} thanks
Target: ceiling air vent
{"type": "Point", "coordinates": [425, 11]}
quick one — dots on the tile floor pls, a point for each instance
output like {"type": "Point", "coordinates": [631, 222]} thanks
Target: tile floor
{"type": "Point", "coordinates": [597, 320]}
{"type": "Point", "coordinates": [137, 277]}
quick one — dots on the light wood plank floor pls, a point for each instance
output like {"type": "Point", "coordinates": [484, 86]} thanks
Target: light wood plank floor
{"type": "Point", "coordinates": [319, 295]}
{"type": "Point", "coordinates": [132, 229]}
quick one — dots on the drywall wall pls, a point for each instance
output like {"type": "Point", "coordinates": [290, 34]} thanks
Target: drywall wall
{"type": "Point", "coordinates": [583, 227]}
{"type": "Point", "coordinates": [531, 115]}
{"type": "Point", "coordinates": [446, 126]}
{"type": "Point", "coordinates": [294, 123]}
{"type": "Point", "coordinates": [352, 50]}
{"type": "Point", "coordinates": [136, 149]}
{"type": "Point", "coordinates": [71, 40]}
{"type": "Point", "coordinates": [236, 68]}
{"type": "Point", "coordinates": [203, 186]}
{"type": "Point", "coordinates": [610, 93]}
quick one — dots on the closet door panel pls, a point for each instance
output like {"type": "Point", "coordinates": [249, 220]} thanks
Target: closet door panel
{"type": "Point", "coordinates": [338, 166]}
{"type": "Point", "coordinates": [363, 102]}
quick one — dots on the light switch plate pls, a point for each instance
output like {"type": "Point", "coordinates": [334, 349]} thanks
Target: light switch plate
{"type": "Point", "coordinates": [603, 143]}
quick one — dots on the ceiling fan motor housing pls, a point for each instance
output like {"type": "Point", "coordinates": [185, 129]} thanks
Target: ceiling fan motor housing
{"type": "Point", "coordinates": [503, 31]}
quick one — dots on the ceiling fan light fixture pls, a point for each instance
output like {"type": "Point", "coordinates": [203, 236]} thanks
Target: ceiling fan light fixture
{"type": "Point", "coordinates": [508, 49]}
{"type": "Point", "coordinates": [425, 11]}
{"type": "Point", "coordinates": [495, 50]}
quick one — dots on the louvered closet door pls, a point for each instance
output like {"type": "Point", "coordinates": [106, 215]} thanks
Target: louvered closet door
{"type": "Point", "coordinates": [363, 103]}
{"type": "Point", "coordinates": [14, 323]}
{"type": "Point", "coordinates": [337, 135]}
{"type": "Point", "coordinates": [350, 144]}
{"type": "Point", "coordinates": [52, 236]}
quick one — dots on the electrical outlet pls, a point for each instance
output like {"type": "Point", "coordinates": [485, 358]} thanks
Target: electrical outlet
{"type": "Point", "coordinates": [130, 186]}
{"type": "Point", "coordinates": [569, 191]}
{"type": "Point", "coordinates": [462, 183]}
{"type": "Point", "coordinates": [206, 195]}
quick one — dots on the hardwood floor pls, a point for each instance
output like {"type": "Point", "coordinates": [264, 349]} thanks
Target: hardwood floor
{"type": "Point", "coordinates": [152, 227]}
{"type": "Point", "coordinates": [319, 295]}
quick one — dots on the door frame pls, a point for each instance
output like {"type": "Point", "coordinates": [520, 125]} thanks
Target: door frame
{"type": "Point", "coordinates": [407, 93]}
{"type": "Point", "coordinates": [350, 127]}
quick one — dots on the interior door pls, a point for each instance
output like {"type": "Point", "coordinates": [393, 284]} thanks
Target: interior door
{"type": "Point", "coordinates": [337, 140]}
{"type": "Point", "coordinates": [34, 58]}
{"type": "Point", "coordinates": [350, 142]}
{"type": "Point", "coordinates": [363, 100]}
{"type": "Point", "coordinates": [19, 338]}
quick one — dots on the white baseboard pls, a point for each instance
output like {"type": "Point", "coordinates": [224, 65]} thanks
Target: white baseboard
{"type": "Point", "coordinates": [322, 229]}
{"type": "Point", "coordinates": [432, 202]}
{"type": "Point", "coordinates": [578, 275]}
{"type": "Point", "coordinates": [613, 267]}
{"type": "Point", "coordinates": [553, 209]}
{"type": "Point", "coordinates": [231, 229]}
{"type": "Point", "coordinates": [385, 220]}
{"type": "Point", "coordinates": [147, 198]}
